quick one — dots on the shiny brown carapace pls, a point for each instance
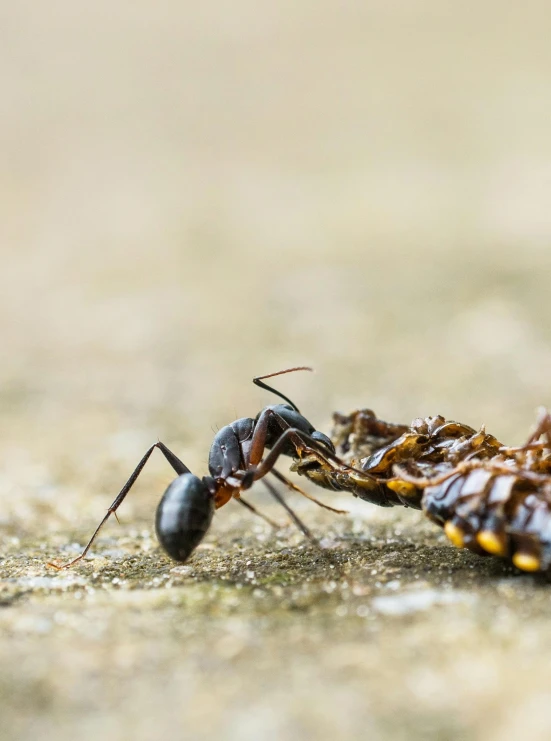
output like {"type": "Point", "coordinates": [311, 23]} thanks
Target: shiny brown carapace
{"type": "Point", "coordinates": [488, 498]}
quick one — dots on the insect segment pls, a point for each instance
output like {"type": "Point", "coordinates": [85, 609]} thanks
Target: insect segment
{"type": "Point", "coordinates": [372, 447]}
{"type": "Point", "coordinates": [499, 505]}
{"type": "Point", "coordinates": [488, 498]}
{"type": "Point", "coordinates": [185, 511]}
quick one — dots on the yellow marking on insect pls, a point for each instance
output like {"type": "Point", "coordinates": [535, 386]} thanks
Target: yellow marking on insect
{"type": "Point", "coordinates": [492, 543]}
{"type": "Point", "coordinates": [526, 561]}
{"type": "Point", "coordinates": [403, 488]}
{"type": "Point", "coordinates": [363, 481]}
{"type": "Point", "coordinates": [455, 534]}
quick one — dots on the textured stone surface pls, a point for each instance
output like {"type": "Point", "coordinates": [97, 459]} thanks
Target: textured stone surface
{"type": "Point", "coordinates": [196, 194]}
{"type": "Point", "coordinates": [388, 630]}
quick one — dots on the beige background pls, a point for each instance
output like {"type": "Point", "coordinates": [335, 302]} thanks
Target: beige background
{"type": "Point", "coordinates": [192, 194]}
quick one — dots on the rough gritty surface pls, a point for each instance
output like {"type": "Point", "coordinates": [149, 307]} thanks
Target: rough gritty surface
{"type": "Point", "coordinates": [195, 194]}
{"type": "Point", "coordinates": [387, 630]}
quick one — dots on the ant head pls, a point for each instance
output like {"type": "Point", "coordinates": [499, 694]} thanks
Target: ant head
{"type": "Point", "coordinates": [183, 516]}
{"type": "Point", "coordinates": [284, 415]}
{"type": "Point", "coordinates": [293, 419]}
{"type": "Point", "coordinates": [291, 416]}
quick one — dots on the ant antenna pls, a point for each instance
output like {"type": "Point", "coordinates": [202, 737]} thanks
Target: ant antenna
{"type": "Point", "coordinates": [258, 382]}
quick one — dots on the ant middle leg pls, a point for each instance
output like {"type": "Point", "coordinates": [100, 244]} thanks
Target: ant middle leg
{"type": "Point", "coordinates": [328, 557]}
{"type": "Point", "coordinates": [290, 485]}
{"type": "Point", "coordinates": [295, 518]}
{"type": "Point", "coordinates": [255, 511]}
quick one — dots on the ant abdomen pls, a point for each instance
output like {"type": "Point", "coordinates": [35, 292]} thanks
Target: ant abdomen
{"type": "Point", "coordinates": [183, 516]}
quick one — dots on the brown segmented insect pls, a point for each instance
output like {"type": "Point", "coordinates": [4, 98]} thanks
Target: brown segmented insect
{"type": "Point", "coordinates": [488, 498]}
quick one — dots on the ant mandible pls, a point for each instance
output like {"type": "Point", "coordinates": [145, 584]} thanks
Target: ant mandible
{"type": "Point", "coordinates": [185, 511]}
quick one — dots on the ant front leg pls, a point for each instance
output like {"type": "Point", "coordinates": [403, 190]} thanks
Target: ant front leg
{"type": "Point", "coordinates": [260, 435]}
{"type": "Point", "coordinates": [176, 464]}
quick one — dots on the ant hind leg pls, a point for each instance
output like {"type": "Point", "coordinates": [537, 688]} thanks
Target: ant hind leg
{"type": "Point", "coordinates": [176, 464]}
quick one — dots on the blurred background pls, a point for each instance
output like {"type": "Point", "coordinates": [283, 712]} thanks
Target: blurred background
{"type": "Point", "coordinates": [194, 194]}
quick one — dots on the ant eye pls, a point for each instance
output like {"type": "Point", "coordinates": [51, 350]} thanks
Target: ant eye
{"type": "Point", "coordinates": [323, 439]}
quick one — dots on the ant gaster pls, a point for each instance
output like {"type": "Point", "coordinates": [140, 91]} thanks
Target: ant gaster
{"type": "Point", "coordinates": [185, 511]}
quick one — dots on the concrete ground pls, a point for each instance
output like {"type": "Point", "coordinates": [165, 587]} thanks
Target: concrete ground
{"type": "Point", "coordinates": [194, 195]}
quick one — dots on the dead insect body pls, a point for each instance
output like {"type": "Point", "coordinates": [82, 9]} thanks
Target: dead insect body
{"type": "Point", "coordinates": [498, 505]}
{"type": "Point", "coordinates": [488, 498]}
{"type": "Point", "coordinates": [493, 507]}
{"type": "Point", "coordinates": [373, 447]}
{"type": "Point", "coordinates": [185, 511]}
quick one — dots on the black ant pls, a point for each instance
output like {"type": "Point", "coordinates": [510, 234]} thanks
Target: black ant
{"type": "Point", "coordinates": [185, 511]}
